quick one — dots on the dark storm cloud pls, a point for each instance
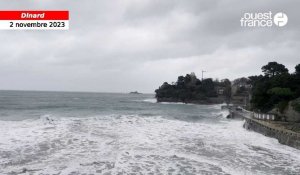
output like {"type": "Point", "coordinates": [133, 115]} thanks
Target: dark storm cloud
{"type": "Point", "coordinates": [137, 45]}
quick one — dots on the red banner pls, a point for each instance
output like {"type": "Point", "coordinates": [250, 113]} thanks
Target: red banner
{"type": "Point", "coordinates": [34, 15]}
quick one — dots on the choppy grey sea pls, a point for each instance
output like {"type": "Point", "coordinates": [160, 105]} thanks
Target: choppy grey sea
{"type": "Point", "coordinates": [102, 133]}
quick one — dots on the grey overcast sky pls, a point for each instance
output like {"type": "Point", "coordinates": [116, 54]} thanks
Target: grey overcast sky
{"type": "Point", "coordinates": [126, 45]}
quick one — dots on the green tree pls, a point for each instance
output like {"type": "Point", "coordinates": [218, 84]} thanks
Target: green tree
{"type": "Point", "coordinates": [227, 89]}
{"type": "Point", "coordinates": [187, 79]}
{"type": "Point", "coordinates": [285, 92]}
{"type": "Point", "coordinates": [188, 88]}
{"type": "Point", "coordinates": [180, 81]}
{"type": "Point", "coordinates": [297, 68]}
{"type": "Point", "coordinates": [274, 68]}
{"type": "Point", "coordinates": [276, 88]}
{"type": "Point", "coordinates": [254, 79]}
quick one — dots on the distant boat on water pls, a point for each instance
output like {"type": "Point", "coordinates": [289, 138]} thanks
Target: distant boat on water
{"type": "Point", "coordinates": [135, 92]}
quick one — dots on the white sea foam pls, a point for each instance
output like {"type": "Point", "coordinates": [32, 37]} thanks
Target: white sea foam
{"type": "Point", "coordinates": [134, 144]}
{"type": "Point", "coordinates": [150, 100]}
{"type": "Point", "coordinates": [153, 100]}
{"type": "Point", "coordinates": [224, 113]}
{"type": "Point", "coordinates": [176, 103]}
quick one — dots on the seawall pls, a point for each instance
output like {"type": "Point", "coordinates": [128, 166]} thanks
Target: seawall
{"type": "Point", "coordinates": [284, 136]}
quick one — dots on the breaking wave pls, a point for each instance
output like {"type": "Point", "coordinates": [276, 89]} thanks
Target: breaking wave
{"type": "Point", "coordinates": [134, 144]}
{"type": "Point", "coordinates": [150, 100]}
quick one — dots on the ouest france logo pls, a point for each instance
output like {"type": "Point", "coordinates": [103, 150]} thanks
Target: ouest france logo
{"type": "Point", "coordinates": [267, 19]}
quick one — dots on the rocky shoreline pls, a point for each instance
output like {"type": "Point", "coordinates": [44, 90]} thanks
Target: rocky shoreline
{"type": "Point", "coordinates": [208, 101]}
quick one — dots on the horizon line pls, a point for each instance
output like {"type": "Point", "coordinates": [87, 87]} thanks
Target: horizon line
{"type": "Point", "coordinates": [70, 91]}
